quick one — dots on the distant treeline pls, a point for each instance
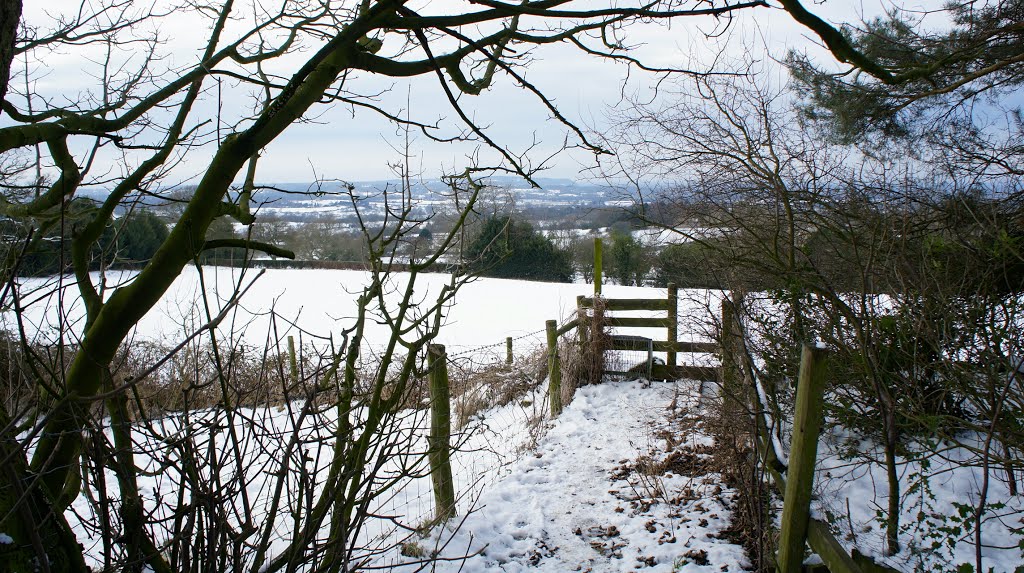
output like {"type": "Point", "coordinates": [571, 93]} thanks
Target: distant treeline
{"type": "Point", "coordinates": [127, 240]}
{"type": "Point", "coordinates": [242, 261]}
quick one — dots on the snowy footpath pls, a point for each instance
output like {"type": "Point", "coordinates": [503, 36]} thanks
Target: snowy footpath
{"type": "Point", "coordinates": [618, 483]}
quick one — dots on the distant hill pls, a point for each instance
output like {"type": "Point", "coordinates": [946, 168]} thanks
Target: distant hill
{"type": "Point", "coordinates": [304, 200]}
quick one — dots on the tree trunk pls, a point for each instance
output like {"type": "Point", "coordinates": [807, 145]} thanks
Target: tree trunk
{"type": "Point", "coordinates": [27, 518]}
{"type": "Point", "coordinates": [10, 15]}
{"type": "Point", "coordinates": [892, 527]}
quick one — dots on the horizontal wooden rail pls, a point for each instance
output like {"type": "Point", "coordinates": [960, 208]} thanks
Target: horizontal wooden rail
{"type": "Point", "coordinates": [666, 372]}
{"type": "Point", "coordinates": [832, 553]}
{"type": "Point", "coordinates": [632, 321]}
{"type": "Point", "coordinates": [630, 303]}
{"type": "Point", "coordinates": [567, 327]}
{"type": "Point", "coordinates": [685, 346]}
{"type": "Point", "coordinates": [665, 346]}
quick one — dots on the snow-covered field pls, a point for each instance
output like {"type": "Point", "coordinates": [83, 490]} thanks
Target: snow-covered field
{"type": "Point", "coordinates": [576, 499]}
{"type": "Point", "coordinates": [312, 304]}
{"type": "Point", "coordinates": [318, 303]}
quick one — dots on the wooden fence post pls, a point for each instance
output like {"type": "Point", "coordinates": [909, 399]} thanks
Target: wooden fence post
{"type": "Point", "coordinates": [554, 369]}
{"type": "Point", "coordinates": [508, 350]}
{"type": "Point", "coordinates": [728, 348]}
{"type": "Point", "coordinates": [439, 454]}
{"type": "Point", "coordinates": [582, 324]}
{"type": "Point", "coordinates": [673, 322]}
{"type": "Point", "coordinates": [293, 364]}
{"type": "Point", "coordinates": [810, 392]}
{"type": "Point", "coordinates": [597, 265]}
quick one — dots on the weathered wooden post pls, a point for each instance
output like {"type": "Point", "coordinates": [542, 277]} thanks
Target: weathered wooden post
{"type": "Point", "coordinates": [439, 454]}
{"type": "Point", "coordinates": [673, 323]}
{"type": "Point", "coordinates": [554, 369]}
{"type": "Point", "coordinates": [508, 350]}
{"type": "Point", "coordinates": [582, 324]}
{"type": "Point", "coordinates": [293, 363]}
{"type": "Point", "coordinates": [597, 266]}
{"type": "Point", "coordinates": [810, 393]}
{"type": "Point", "coordinates": [728, 348]}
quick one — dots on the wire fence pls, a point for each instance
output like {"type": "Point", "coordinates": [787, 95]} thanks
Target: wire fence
{"type": "Point", "coordinates": [498, 409]}
{"type": "Point", "coordinates": [492, 350]}
{"type": "Point", "coordinates": [497, 413]}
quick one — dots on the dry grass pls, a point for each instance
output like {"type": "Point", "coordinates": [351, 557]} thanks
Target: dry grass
{"type": "Point", "coordinates": [26, 374]}
{"type": "Point", "coordinates": [194, 378]}
{"type": "Point", "coordinates": [191, 379]}
{"type": "Point", "coordinates": [736, 459]}
{"type": "Point", "coordinates": [585, 354]}
{"type": "Point", "coordinates": [478, 388]}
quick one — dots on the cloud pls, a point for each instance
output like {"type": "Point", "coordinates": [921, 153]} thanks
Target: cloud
{"type": "Point", "coordinates": [337, 141]}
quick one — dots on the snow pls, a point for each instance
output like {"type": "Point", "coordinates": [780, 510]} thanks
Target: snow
{"type": "Point", "coordinates": [312, 304]}
{"type": "Point", "coordinates": [579, 504]}
{"type": "Point", "coordinates": [934, 534]}
{"type": "Point", "coordinates": [677, 235]}
{"type": "Point", "coordinates": [577, 499]}
{"type": "Point", "coordinates": [6, 539]}
{"type": "Point", "coordinates": [567, 495]}
{"type": "Point", "coordinates": [482, 453]}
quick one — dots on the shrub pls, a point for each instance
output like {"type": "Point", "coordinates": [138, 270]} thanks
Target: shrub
{"type": "Point", "coordinates": [506, 248]}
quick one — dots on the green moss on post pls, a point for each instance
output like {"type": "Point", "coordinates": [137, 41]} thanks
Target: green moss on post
{"type": "Point", "coordinates": [293, 363]}
{"type": "Point", "coordinates": [439, 454]}
{"type": "Point", "coordinates": [554, 369]}
{"type": "Point", "coordinates": [673, 322]}
{"type": "Point", "coordinates": [810, 393]}
{"type": "Point", "coordinates": [508, 350]}
{"type": "Point", "coordinates": [597, 266]}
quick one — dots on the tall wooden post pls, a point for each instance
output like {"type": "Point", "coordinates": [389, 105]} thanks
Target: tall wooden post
{"type": "Point", "coordinates": [729, 373]}
{"type": "Point", "coordinates": [597, 266]}
{"type": "Point", "coordinates": [508, 350]}
{"type": "Point", "coordinates": [673, 322]}
{"type": "Point", "coordinates": [293, 363]}
{"type": "Point", "coordinates": [810, 393]}
{"type": "Point", "coordinates": [439, 454]}
{"type": "Point", "coordinates": [554, 369]}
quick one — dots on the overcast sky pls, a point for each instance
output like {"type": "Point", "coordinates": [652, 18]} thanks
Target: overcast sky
{"type": "Point", "coordinates": [336, 144]}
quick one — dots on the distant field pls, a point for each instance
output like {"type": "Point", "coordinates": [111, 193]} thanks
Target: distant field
{"type": "Point", "coordinates": [322, 303]}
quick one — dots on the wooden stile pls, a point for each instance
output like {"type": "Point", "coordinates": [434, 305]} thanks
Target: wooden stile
{"type": "Point", "coordinates": [630, 303]}
{"type": "Point", "coordinates": [631, 321]}
{"type": "Point", "coordinates": [665, 346]}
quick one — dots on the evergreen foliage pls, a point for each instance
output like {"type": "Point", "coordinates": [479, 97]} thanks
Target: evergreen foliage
{"type": "Point", "coordinates": [629, 263]}
{"type": "Point", "coordinates": [506, 248]}
{"type": "Point", "coordinates": [925, 81]}
{"type": "Point", "coordinates": [129, 240]}
{"type": "Point", "coordinates": [139, 236]}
